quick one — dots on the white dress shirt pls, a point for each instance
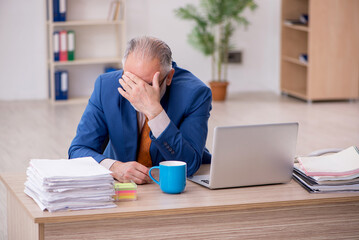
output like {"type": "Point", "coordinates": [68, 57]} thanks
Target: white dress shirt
{"type": "Point", "coordinates": [157, 126]}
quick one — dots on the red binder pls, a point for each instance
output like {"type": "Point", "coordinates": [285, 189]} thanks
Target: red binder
{"type": "Point", "coordinates": [63, 46]}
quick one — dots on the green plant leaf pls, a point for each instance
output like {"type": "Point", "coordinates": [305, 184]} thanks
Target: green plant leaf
{"type": "Point", "coordinates": [215, 22]}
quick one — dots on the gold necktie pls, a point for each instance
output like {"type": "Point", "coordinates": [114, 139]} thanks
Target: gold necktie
{"type": "Point", "coordinates": [144, 156]}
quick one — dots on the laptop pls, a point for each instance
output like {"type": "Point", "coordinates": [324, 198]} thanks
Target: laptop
{"type": "Point", "coordinates": [251, 155]}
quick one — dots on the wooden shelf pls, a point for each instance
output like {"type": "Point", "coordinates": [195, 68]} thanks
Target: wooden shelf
{"type": "Point", "coordinates": [297, 27]}
{"type": "Point", "coordinates": [296, 93]}
{"type": "Point", "coordinates": [331, 58]}
{"type": "Point", "coordinates": [77, 100]}
{"type": "Point", "coordinates": [87, 61]}
{"type": "Point", "coordinates": [84, 23]}
{"type": "Point", "coordinates": [98, 41]}
{"type": "Point", "coordinates": [295, 61]}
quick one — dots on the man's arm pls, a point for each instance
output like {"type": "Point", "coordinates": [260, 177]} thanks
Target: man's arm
{"type": "Point", "coordinates": [92, 132]}
{"type": "Point", "coordinates": [186, 142]}
{"type": "Point", "coordinates": [92, 129]}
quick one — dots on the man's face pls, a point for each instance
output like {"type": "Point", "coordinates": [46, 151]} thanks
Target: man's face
{"type": "Point", "coordinates": [142, 67]}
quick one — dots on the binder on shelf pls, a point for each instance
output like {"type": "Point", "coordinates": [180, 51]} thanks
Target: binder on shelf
{"type": "Point", "coordinates": [59, 10]}
{"type": "Point", "coordinates": [117, 11]}
{"type": "Point", "coordinates": [303, 58]}
{"type": "Point", "coordinates": [111, 69]}
{"type": "Point", "coordinates": [56, 10]}
{"type": "Point", "coordinates": [63, 10]}
{"type": "Point", "coordinates": [304, 18]}
{"type": "Point", "coordinates": [114, 11]}
{"type": "Point", "coordinates": [111, 11]}
{"type": "Point", "coordinates": [63, 46]}
{"type": "Point", "coordinates": [71, 45]}
{"type": "Point", "coordinates": [56, 47]}
{"type": "Point", "coordinates": [57, 85]}
{"type": "Point", "coordinates": [61, 85]}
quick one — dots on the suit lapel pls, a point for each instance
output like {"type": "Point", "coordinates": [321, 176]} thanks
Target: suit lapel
{"type": "Point", "coordinates": [130, 130]}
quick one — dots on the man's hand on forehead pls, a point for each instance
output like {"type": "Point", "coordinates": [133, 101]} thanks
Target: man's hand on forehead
{"type": "Point", "coordinates": [138, 80]}
{"type": "Point", "coordinates": [144, 97]}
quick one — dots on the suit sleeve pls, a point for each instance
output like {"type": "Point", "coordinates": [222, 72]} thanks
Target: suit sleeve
{"type": "Point", "coordinates": [92, 129]}
{"type": "Point", "coordinates": [187, 142]}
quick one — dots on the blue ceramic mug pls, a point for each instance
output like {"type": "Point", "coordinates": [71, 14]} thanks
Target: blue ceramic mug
{"type": "Point", "coordinates": [172, 176]}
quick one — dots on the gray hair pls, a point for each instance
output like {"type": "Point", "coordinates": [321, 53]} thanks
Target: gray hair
{"type": "Point", "coordinates": [150, 47]}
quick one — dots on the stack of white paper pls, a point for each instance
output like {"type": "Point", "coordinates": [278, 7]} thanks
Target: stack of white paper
{"type": "Point", "coordinates": [73, 184]}
{"type": "Point", "coordinates": [335, 172]}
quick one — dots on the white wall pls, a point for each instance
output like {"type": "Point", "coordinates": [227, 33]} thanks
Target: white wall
{"type": "Point", "coordinates": [23, 72]}
{"type": "Point", "coordinates": [259, 43]}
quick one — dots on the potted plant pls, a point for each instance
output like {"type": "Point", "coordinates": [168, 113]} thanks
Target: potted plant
{"type": "Point", "coordinates": [215, 22]}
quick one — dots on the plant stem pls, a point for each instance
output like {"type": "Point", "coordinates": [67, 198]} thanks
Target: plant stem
{"type": "Point", "coordinates": [225, 59]}
{"type": "Point", "coordinates": [220, 54]}
{"type": "Point", "coordinates": [213, 65]}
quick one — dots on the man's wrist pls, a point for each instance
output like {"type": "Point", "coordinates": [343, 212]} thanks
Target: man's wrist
{"type": "Point", "coordinates": [107, 163]}
{"type": "Point", "coordinates": [159, 123]}
{"type": "Point", "coordinates": [155, 112]}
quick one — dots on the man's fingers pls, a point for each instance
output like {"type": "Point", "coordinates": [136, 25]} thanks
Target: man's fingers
{"type": "Point", "coordinates": [133, 77]}
{"type": "Point", "coordinates": [140, 174]}
{"type": "Point", "coordinates": [125, 86]}
{"type": "Point", "coordinates": [116, 176]}
{"type": "Point", "coordinates": [131, 171]}
{"type": "Point", "coordinates": [123, 93]}
{"type": "Point", "coordinates": [138, 180]}
{"type": "Point", "coordinates": [128, 81]}
{"type": "Point", "coordinates": [144, 170]}
{"type": "Point", "coordinates": [136, 176]}
{"type": "Point", "coordinates": [141, 168]}
{"type": "Point", "coordinates": [156, 80]}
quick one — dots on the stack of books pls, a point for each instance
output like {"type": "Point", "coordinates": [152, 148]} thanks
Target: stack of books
{"type": "Point", "coordinates": [329, 173]}
{"type": "Point", "coordinates": [72, 184]}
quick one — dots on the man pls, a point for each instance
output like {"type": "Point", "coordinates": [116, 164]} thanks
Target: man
{"type": "Point", "coordinates": [152, 111]}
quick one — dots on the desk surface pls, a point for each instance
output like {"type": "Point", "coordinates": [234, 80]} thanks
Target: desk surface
{"type": "Point", "coordinates": [151, 201]}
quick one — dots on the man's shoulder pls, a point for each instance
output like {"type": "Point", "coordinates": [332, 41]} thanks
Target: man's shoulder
{"type": "Point", "coordinates": [184, 80]}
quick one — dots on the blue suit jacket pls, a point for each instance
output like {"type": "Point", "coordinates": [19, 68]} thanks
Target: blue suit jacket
{"type": "Point", "coordinates": [187, 102]}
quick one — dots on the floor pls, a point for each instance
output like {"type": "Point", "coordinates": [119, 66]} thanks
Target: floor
{"type": "Point", "coordinates": [38, 129]}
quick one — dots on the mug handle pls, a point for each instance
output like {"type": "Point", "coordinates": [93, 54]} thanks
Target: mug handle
{"type": "Point", "coordinates": [149, 173]}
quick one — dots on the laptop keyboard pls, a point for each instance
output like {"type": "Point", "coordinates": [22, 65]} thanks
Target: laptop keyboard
{"type": "Point", "coordinates": [205, 181]}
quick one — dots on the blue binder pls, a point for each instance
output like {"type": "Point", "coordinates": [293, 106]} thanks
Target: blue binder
{"type": "Point", "coordinates": [61, 85]}
{"type": "Point", "coordinates": [57, 85]}
{"type": "Point", "coordinates": [111, 69]}
{"type": "Point", "coordinates": [56, 46]}
{"type": "Point", "coordinates": [56, 8]}
{"type": "Point", "coordinates": [60, 10]}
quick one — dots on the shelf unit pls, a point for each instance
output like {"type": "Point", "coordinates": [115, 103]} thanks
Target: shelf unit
{"type": "Point", "coordinates": [331, 41]}
{"type": "Point", "coordinates": [90, 35]}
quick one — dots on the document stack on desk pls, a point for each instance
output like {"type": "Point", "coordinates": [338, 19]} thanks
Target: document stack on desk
{"type": "Point", "coordinates": [330, 173]}
{"type": "Point", "coordinates": [72, 184]}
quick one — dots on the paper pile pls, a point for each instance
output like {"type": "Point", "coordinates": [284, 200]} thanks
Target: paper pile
{"type": "Point", "coordinates": [72, 184]}
{"type": "Point", "coordinates": [329, 173]}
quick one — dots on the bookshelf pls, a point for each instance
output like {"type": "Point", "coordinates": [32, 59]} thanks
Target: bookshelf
{"type": "Point", "coordinates": [331, 41]}
{"type": "Point", "coordinates": [99, 42]}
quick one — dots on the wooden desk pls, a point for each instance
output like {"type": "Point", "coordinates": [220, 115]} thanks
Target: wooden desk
{"type": "Point", "coordinates": [284, 211]}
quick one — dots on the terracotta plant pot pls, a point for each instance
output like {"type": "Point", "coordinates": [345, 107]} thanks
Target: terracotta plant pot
{"type": "Point", "coordinates": [219, 90]}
